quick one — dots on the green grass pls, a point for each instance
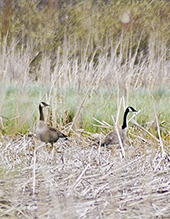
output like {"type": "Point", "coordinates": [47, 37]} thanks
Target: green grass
{"type": "Point", "coordinates": [20, 106]}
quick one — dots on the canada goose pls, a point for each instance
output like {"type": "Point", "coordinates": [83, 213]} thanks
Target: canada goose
{"type": "Point", "coordinates": [47, 133]}
{"type": "Point", "coordinates": [112, 137]}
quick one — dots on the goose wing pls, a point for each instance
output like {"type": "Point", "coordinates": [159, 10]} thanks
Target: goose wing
{"type": "Point", "coordinates": [111, 138]}
{"type": "Point", "coordinates": [55, 134]}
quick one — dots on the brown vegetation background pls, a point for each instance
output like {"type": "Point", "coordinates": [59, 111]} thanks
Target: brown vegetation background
{"type": "Point", "coordinates": [87, 30]}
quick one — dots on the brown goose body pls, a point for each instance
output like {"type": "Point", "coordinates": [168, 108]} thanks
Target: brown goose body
{"type": "Point", "coordinates": [112, 137]}
{"type": "Point", "coordinates": [46, 133]}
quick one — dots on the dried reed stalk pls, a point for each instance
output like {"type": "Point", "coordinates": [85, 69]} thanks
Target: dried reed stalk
{"type": "Point", "coordinates": [81, 106]}
{"type": "Point", "coordinates": [120, 141]}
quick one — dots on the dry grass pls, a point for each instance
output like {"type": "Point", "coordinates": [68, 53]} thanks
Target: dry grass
{"type": "Point", "coordinates": [64, 81]}
{"type": "Point", "coordinates": [111, 69]}
{"type": "Point", "coordinates": [80, 180]}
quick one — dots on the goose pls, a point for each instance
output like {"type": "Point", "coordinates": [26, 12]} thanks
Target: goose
{"type": "Point", "coordinates": [112, 137]}
{"type": "Point", "coordinates": [46, 133]}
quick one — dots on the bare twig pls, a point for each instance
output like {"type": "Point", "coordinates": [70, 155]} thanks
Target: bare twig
{"type": "Point", "coordinates": [81, 106]}
{"type": "Point", "coordinates": [120, 141]}
{"type": "Point", "coordinates": [158, 129]}
{"type": "Point", "coordinates": [4, 117]}
{"type": "Point", "coordinates": [134, 115]}
{"type": "Point", "coordinates": [160, 139]}
{"type": "Point", "coordinates": [98, 121]}
{"type": "Point", "coordinates": [80, 176]}
{"type": "Point", "coordinates": [34, 168]}
{"type": "Point", "coordinates": [139, 126]}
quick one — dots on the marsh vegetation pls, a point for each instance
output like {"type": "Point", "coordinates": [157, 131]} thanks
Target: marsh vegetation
{"type": "Point", "coordinates": [89, 66]}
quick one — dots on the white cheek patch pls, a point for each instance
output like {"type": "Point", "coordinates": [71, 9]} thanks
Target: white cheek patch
{"type": "Point", "coordinates": [42, 105]}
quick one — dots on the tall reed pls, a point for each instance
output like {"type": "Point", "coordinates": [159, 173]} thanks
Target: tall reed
{"type": "Point", "coordinates": [35, 77]}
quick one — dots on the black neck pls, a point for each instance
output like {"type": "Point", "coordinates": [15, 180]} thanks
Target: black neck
{"type": "Point", "coordinates": [41, 113]}
{"type": "Point", "coordinates": [125, 119]}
